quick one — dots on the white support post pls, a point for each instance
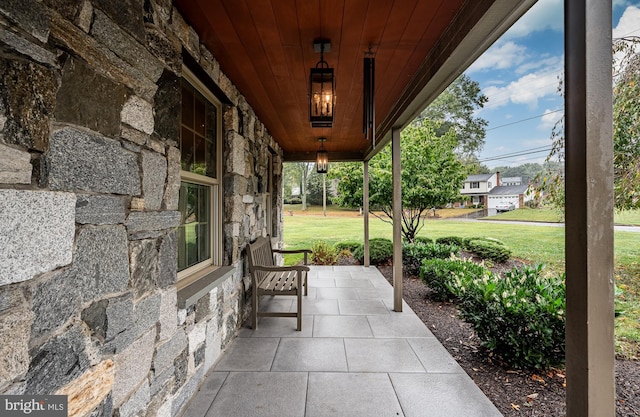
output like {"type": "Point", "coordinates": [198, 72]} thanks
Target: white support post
{"type": "Point", "coordinates": [589, 209]}
{"type": "Point", "coordinates": [397, 220]}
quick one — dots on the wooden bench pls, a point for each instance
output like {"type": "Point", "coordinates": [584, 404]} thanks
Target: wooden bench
{"type": "Point", "coordinates": [269, 279]}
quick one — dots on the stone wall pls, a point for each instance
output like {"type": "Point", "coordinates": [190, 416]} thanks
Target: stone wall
{"type": "Point", "coordinates": [89, 181]}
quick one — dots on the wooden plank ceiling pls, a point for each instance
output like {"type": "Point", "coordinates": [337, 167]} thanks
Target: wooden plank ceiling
{"type": "Point", "coordinates": [266, 49]}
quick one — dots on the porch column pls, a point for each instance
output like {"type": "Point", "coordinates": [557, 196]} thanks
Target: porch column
{"type": "Point", "coordinates": [397, 220]}
{"type": "Point", "coordinates": [365, 211]}
{"type": "Point", "coordinates": [589, 209]}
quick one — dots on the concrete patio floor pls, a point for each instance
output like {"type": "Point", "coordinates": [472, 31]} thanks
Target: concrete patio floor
{"type": "Point", "coordinates": [354, 357]}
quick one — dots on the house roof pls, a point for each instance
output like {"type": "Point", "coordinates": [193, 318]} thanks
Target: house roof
{"type": "Point", "coordinates": [265, 47]}
{"type": "Point", "coordinates": [509, 190]}
{"type": "Point", "coordinates": [478, 177]}
{"type": "Point", "coordinates": [511, 179]}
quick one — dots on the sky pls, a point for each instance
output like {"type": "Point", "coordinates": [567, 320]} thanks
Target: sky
{"type": "Point", "coordinates": [520, 75]}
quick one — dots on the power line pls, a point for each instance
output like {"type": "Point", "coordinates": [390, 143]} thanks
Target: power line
{"type": "Point", "coordinates": [524, 120]}
{"type": "Point", "coordinates": [516, 154]}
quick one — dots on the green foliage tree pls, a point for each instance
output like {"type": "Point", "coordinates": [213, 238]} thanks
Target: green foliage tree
{"type": "Point", "coordinates": [455, 109]}
{"type": "Point", "coordinates": [300, 173]}
{"type": "Point", "coordinates": [350, 183]}
{"type": "Point", "coordinates": [626, 124]}
{"type": "Point", "coordinates": [626, 134]}
{"type": "Point", "coordinates": [431, 176]}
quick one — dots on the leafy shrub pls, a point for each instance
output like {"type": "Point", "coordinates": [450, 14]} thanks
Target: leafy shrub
{"type": "Point", "coordinates": [423, 239]}
{"type": "Point", "coordinates": [448, 277]}
{"type": "Point", "coordinates": [350, 245]}
{"type": "Point", "coordinates": [323, 253]}
{"type": "Point", "coordinates": [380, 251]}
{"type": "Point", "coordinates": [292, 200]}
{"type": "Point", "coordinates": [451, 240]}
{"type": "Point", "coordinates": [487, 249]}
{"type": "Point", "coordinates": [466, 241]}
{"type": "Point", "coordinates": [520, 316]}
{"type": "Point", "coordinates": [414, 253]}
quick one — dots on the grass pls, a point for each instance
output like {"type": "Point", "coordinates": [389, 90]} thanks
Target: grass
{"type": "Point", "coordinates": [629, 217]}
{"type": "Point", "coordinates": [529, 215]}
{"type": "Point", "coordinates": [535, 244]}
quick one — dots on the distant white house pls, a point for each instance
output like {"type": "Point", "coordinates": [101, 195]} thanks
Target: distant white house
{"type": "Point", "coordinates": [511, 181]}
{"type": "Point", "coordinates": [490, 191]}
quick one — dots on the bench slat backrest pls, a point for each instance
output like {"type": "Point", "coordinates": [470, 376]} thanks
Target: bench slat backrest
{"type": "Point", "coordinates": [260, 254]}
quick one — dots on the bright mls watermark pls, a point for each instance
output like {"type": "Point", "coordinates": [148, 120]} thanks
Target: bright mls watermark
{"type": "Point", "coordinates": [33, 405]}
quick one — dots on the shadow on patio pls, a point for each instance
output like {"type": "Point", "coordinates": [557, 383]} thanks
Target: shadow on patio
{"type": "Point", "coordinates": [353, 357]}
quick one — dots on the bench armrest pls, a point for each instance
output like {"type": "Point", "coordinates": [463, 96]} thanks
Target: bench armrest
{"type": "Point", "coordinates": [305, 251]}
{"type": "Point", "coordinates": [292, 251]}
{"type": "Point", "coordinates": [299, 268]}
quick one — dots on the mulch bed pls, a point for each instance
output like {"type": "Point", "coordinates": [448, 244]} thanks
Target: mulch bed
{"type": "Point", "coordinates": [514, 392]}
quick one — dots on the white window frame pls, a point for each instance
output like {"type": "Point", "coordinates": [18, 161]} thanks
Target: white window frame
{"type": "Point", "coordinates": [195, 272]}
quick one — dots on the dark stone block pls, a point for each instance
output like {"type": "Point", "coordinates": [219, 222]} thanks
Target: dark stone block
{"type": "Point", "coordinates": [119, 316]}
{"type": "Point", "coordinates": [198, 355]}
{"type": "Point", "coordinates": [105, 30]}
{"type": "Point", "coordinates": [180, 364]}
{"type": "Point", "coordinates": [88, 99]}
{"type": "Point", "coordinates": [31, 15]}
{"type": "Point", "coordinates": [104, 409]}
{"type": "Point", "coordinates": [78, 160]}
{"type": "Point", "coordinates": [126, 321]}
{"type": "Point", "coordinates": [99, 209]}
{"type": "Point", "coordinates": [167, 260]}
{"type": "Point", "coordinates": [102, 261]}
{"type": "Point", "coordinates": [56, 363]}
{"type": "Point", "coordinates": [144, 266]}
{"type": "Point", "coordinates": [67, 8]}
{"type": "Point", "coordinates": [167, 107]}
{"type": "Point", "coordinates": [55, 301]}
{"type": "Point", "coordinates": [203, 308]}
{"type": "Point", "coordinates": [96, 318]}
{"type": "Point", "coordinates": [27, 100]}
{"type": "Point", "coordinates": [167, 50]}
{"type": "Point", "coordinates": [128, 14]}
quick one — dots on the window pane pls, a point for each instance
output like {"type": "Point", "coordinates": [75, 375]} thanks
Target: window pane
{"type": "Point", "coordinates": [200, 133]}
{"type": "Point", "coordinates": [187, 105]}
{"type": "Point", "coordinates": [194, 232]}
{"type": "Point", "coordinates": [187, 149]}
{"type": "Point", "coordinates": [199, 113]}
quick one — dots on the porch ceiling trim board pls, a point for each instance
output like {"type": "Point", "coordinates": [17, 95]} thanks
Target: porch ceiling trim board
{"type": "Point", "coordinates": [265, 47]}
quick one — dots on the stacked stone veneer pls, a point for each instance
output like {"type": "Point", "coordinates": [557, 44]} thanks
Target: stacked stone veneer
{"type": "Point", "coordinates": [89, 181]}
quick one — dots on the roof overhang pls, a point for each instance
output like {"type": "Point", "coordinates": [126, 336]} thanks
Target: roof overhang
{"type": "Point", "coordinates": [265, 48]}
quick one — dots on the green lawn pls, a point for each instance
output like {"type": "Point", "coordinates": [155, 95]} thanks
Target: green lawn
{"type": "Point", "coordinates": [629, 217]}
{"type": "Point", "coordinates": [536, 244]}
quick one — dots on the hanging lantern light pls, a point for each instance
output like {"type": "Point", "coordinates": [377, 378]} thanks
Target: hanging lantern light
{"type": "Point", "coordinates": [322, 84]}
{"type": "Point", "coordinates": [322, 158]}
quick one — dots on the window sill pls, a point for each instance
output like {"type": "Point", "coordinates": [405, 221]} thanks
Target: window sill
{"type": "Point", "coordinates": [190, 294]}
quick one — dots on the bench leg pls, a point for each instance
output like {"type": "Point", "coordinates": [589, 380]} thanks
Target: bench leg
{"type": "Point", "coordinates": [254, 313]}
{"type": "Point", "coordinates": [299, 315]}
{"type": "Point", "coordinates": [306, 284]}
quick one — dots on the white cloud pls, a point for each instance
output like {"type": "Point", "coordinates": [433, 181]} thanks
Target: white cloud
{"type": "Point", "coordinates": [629, 23]}
{"type": "Point", "coordinates": [549, 119]}
{"type": "Point", "coordinates": [535, 143]}
{"type": "Point", "coordinates": [527, 89]}
{"type": "Point", "coordinates": [500, 56]}
{"type": "Point", "coordinates": [542, 61]}
{"type": "Point", "coordinates": [545, 14]}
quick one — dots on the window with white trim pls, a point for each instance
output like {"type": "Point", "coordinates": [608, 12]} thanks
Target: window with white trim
{"type": "Point", "coordinates": [200, 201]}
{"type": "Point", "coordinates": [474, 184]}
